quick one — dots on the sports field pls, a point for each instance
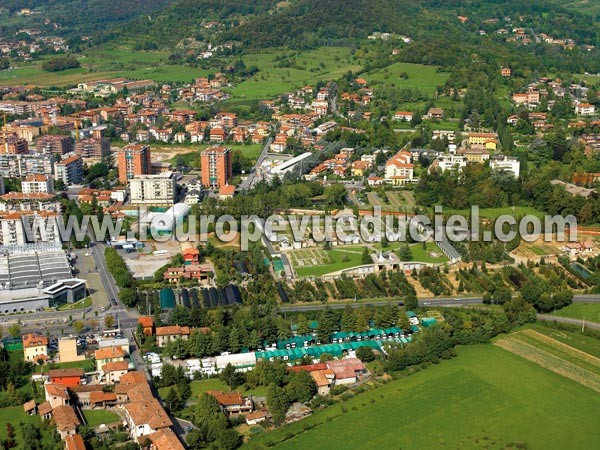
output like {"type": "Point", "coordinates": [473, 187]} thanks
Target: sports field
{"type": "Point", "coordinates": [484, 398]}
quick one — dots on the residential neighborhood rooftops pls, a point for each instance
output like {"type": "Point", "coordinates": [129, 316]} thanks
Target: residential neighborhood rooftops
{"type": "Point", "coordinates": [148, 412]}
{"type": "Point", "coordinates": [227, 398]}
{"type": "Point", "coordinates": [32, 340]}
{"type": "Point", "coordinates": [109, 352]}
{"type": "Point", "coordinates": [115, 366]}
{"type": "Point", "coordinates": [65, 418]}
{"type": "Point", "coordinates": [165, 439]}
{"type": "Point", "coordinates": [74, 442]}
{"type": "Point", "coordinates": [171, 330]}
{"type": "Point", "coordinates": [56, 390]}
{"type": "Point", "coordinates": [62, 373]}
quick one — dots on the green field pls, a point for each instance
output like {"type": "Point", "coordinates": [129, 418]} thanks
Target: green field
{"type": "Point", "coordinates": [574, 339]}
{"type": "Point", "coordinates": [484, 398]}
{"type": "Point", "coordinates": [14, 415]}
{"type": "Point", "coordinates": [106, 62]}
{"type": "Point", "coordinates": [587, 311]}
{"type": "Point", "coordinates": [86, 365]}
{"type": "Point", "coordinates": [425, 255]}
{"type": "Point", "coordinates": [494, 213]}
{"type": "Point", "coordinates": [100, 416]}
{"type": "Point", "coordinates": [306, 67]}
{"type": "Point", "coordinates": [317, 262]}
{"type": "Point", "coordinates": [421, 77]}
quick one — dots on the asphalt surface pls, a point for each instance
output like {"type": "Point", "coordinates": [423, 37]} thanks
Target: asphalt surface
{"type": "Point", "coordinates": [569, 320]}
{"type": "Point", "coordinates": [249, 181]}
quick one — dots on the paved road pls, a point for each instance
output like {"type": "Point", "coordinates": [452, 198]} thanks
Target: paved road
{"type": "Point", "coordinates": [250, 179]}
{"type": "Point", "coordinates": [569, 320]}
{"type": "Point", "coordinates": [448, 301]}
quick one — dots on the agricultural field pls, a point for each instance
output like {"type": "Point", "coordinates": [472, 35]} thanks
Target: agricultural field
{"type": "Point", "coordinates": [317, 262]}
{"type": "Point", "coordinates": [587, 311]}
{"type": "Point", "coordinates": [575, 339]}
{"type": "Point", "coordinates": [283, 71]}
{"type": "Point", "coordinates": [469, 402]}
{"type": "Point", "coordinates": [421, 77]}
{"type": "Point", "coordinates": [555, 356]}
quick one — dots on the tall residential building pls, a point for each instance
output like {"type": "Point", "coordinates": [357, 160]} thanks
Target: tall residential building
{"type": "Point", "coordinates": [34, 184]}
{"type": "Point", "coordinates": [134, 159]}
{"type": "Point", "coordinates": [13, 145]}
{"type": "Point", "coordinates": [53, 144]}
{"type": "Point", "coordinates": [70, 170]}
{"type": "Point", "coordinates": [216, 166]}
{"type": "Point", "coordinates": [152, 189]}
{"type": "Point", "coordinates": [93, 147]}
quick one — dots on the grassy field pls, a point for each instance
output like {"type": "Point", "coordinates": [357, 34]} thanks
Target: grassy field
{"type": "Point", "coordinates": [86, 365]}
{"type": "Point", "coordinates": [14, 415]}
{"type": "Point", "coordinates": [555, 356]}
{"type": "Point", "coordinates": [587, 311]}
{"type": "Point", "coordinates": [494, 213]}
{"type": "Point", "coordinates": [574, 339]}
{"type": "Point", "coordinates": [421, 77]}
{"type": "Point", "coordinates": [317, 262]}
{"type": "Point", "coordinates": [484, 398]}
{"type": "Point", "coordinates": [427, 254]}
{"type": "Point", "coordinates": [106, 62]}
{"type": "Point", "coordinates": [100, 416]}
{"type": "Point", "coordinates": [304, 67]}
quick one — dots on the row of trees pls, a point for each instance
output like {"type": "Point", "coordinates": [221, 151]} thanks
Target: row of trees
{"type": "Point", "coordinates": [123, 279]}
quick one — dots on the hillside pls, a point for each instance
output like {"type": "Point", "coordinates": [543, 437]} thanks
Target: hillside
{"type": "Point", "coordinates": [75, 17]}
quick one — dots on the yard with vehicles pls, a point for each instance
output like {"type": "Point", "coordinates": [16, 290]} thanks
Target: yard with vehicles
{"type": "Point", "coordinates": [468, 402]}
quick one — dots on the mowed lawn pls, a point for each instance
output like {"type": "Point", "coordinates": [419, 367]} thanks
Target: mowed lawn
{"type": "Point", "coordinates": [484, 398]}
{"type": "Point", "coordinates": [425, 254]}
{"type": "Point", "coordinates": [421, 77]}
{"type": "Point", "coordinates": [306, 67]}
{"type": "Point", "coordinates": [587, 311]}
{"type": "Point", "coordinates": [100, 416]}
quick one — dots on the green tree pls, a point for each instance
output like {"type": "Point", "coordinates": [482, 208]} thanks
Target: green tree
{"type": "Point", "coordinates": [278, 403]}
{"type": "Point", "coordinates": [14, 330]}
{"type": "Point", "coordinates": [301, 387]}
{"type": "Point", "coordinates": [78, 325]}
{"type": "Point", "coordinates": [365, 354]}
{"type": "Point", "coordinates": [109, 321]}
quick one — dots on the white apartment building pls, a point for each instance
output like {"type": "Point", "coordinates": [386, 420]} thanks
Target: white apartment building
{"type": "Point", "coordinates": [37, 183]}
{"type": "Point", "coordinates": [155, 190]}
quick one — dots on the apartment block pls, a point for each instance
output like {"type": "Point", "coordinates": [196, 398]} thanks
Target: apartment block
{"type": "Point", "coordinates": [70, 170]}
{"type": "Point", "coordinates": [93, 147]}
{"type": "Point", "coordinates": [216, 166]}
{"type": "Point", "coordinates": [36, 183]}
{"type": "Point", "coordinates": [133, 160]}
{"type": "Point", "coordinates": [52, 144]}
{"type": "Point", "coordinates": [152, 189]}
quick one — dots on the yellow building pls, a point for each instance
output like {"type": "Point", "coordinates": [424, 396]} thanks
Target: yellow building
{"type": "Point", "coordinates": [67, 351]}
{"type": "Point", "coordinates": [108, 354]}
{"type": "Point", "coordinates": [482, 138]}
{"type": "Point", "coordinates": [35, 347]}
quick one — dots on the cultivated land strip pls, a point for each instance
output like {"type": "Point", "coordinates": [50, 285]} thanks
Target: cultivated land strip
{"type": "Point", "coordinates": [553, 362]}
